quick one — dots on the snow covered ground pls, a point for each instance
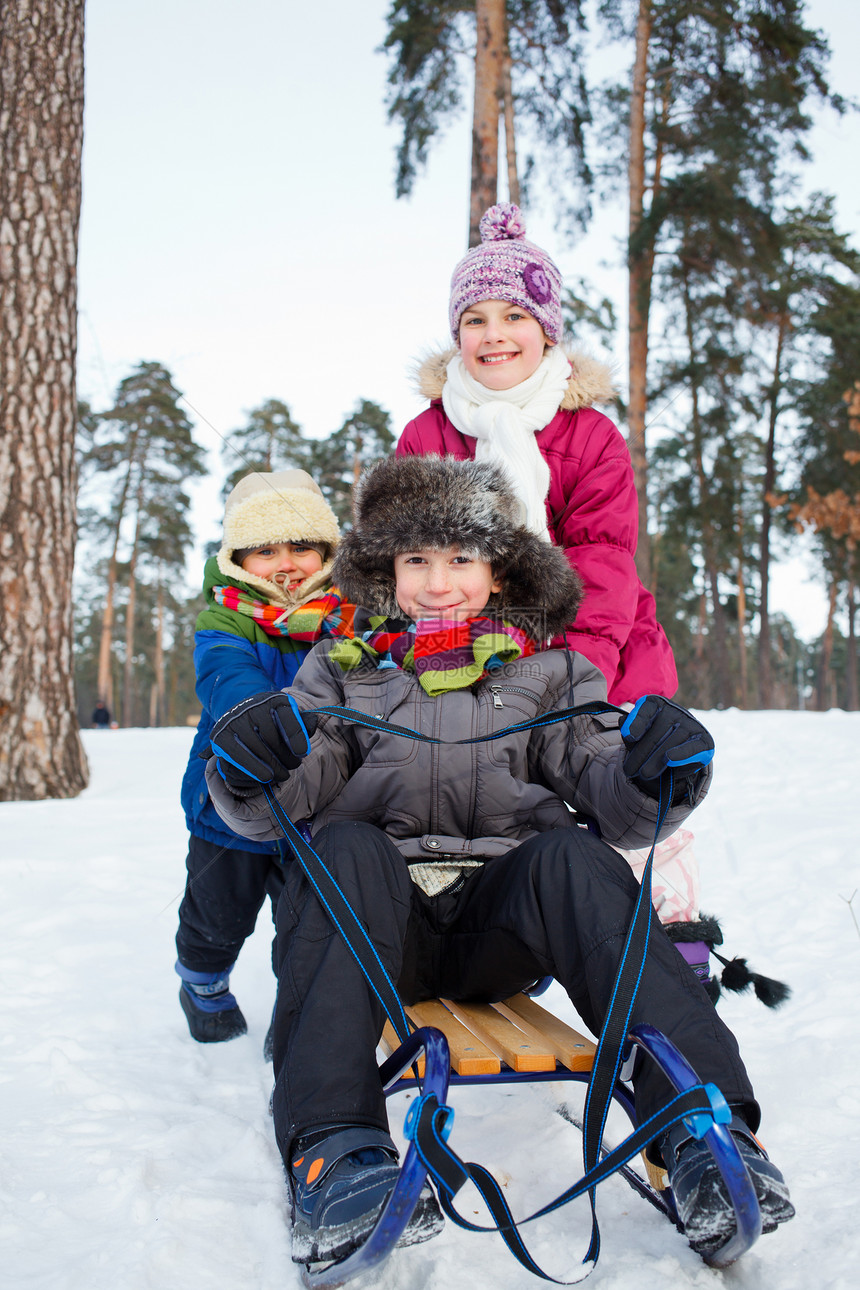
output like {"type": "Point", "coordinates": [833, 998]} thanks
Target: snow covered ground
{"type": "Point", "coordinates": [135, 1159]}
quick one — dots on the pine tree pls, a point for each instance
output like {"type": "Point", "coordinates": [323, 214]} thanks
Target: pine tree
{"type": "Point", "coordinates": [144, 451]}
{"type": "Point", "coordinates": [270, 440]}
{"type": "Point", "coordinates": [827, 497]}
{"type": "Point", "coordinates": [336, 463]}
{"type": "Point", "coordinates": [717, 98]}
{"type": "Point", "coordinates": [41, 134]}
{"type": "Point", "coordinates": [811, 257]}
{"type": "Point", "coordinates": [526, 62]}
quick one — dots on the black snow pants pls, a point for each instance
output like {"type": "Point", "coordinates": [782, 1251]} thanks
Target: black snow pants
{"type": "Point", "coordinates": [559, 904]}
{"type": "Point", "coordinates": [224, 893]}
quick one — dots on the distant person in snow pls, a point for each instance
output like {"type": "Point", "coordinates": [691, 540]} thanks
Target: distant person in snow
{"type": "Point", "coordinates": [268, 599]}
{"type": "Point", "coordinates": [463, 863]}
{"type": "Point", "coordinates": [101, 716]}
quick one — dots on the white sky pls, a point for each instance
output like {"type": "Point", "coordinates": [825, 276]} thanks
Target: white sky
{"type": "Point", "coordinates": [239, 221]}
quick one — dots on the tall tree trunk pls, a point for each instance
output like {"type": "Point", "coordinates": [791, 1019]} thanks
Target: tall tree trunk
{"type": "Point", "coordinates": [128, 664]}
{"type": "Point", "coordinates": [742, 618]}
{"type": "Point", "coordinates": [852, 700]}
{"type": "Point", "coordinates": [156, 718]}
{"type": "Point", "coordinates": [702, 673]}
{"type": "Point", "coordinates": [640, 262]}
{"type": "Point", "coordinates": [171, 700]}
{"type": "Point", "coordinates": [130, 610]}
{"type": "Point", "coordinates": [720, 660]}
{"type": "Point", "coordinates": [823, 686]}
{"type": "Point", "coordinates": [490, 53]}
{"type": "Point", "coordinates": [510, 133]}
{"type": "Point", "coordinates": [41, 134]}
{"type": "Point", "coordinates": [765, 674]}
{"type": "Point", "coordinates": [104, 682]}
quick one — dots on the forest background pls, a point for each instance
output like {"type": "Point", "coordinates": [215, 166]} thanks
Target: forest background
{"type": "Point", "coordinates": [252, 290]}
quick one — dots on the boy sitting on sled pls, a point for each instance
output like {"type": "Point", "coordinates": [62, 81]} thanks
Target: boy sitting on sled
{"type": "Point", "coordinates": [463, 861]}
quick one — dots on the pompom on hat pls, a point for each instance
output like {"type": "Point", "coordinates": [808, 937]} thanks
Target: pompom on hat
{"type": "Point", "coordinates": [507, 267]}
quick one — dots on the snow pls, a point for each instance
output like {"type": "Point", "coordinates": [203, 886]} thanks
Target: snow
{"type": "Point", "coordinates": [135, 1158]}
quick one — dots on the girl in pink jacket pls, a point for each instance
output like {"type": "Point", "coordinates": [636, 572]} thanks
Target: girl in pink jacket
{"type": "Point", "coordinates": [509, 393]}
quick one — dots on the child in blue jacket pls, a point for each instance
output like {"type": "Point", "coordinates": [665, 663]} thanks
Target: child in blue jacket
{"type": "Point", "coordinates": [268, 598]}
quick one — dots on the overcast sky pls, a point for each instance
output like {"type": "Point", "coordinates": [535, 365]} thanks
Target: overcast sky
{"type": "Point", "coordinates": [239, 222]}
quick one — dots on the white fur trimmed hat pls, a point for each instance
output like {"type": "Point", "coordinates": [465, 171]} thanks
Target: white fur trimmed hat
{"type": "Point", "coordinates": [275, 506]}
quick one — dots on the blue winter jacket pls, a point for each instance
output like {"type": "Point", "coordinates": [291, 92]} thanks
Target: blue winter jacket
{"type": "Point", "coordinates": [233, 658]}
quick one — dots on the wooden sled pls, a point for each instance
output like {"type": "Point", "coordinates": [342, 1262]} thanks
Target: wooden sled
{"type": "Point", "coordinates": [518, 1040]}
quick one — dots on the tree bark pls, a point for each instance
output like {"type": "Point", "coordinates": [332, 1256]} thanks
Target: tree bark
{"type": "Point", "coordinates": [510, 134]}
{"type": "Point", "coordinates": [130, 611]}
{"type": "Point", "coordinates": [639, 291]}
{"type": "Point", "coordinates": [490, 54]}
{"type": "Point", "coordinates": [822, 697]}
{"type": "Point", "coordinates": [41, 134]}
{"type": "Point", "coordinates": [765, 674]}
{"type": "Point", "coordinates": [104, 683]}
{"type": "Point", "coordinates": [157, 704]}
{"type": "Point", "coordinates": [742, 618]}
{"type": "Point", "coordinates": [721, 670]}
{"type": "Point", "coordinates": [852, 698]}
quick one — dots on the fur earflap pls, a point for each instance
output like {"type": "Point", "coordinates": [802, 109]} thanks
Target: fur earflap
{"type": "Point", "coordinates": [431, 503]}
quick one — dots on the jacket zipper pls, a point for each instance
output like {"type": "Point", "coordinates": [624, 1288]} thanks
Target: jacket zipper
{"type": "Point", "coordinates": [508, 689]}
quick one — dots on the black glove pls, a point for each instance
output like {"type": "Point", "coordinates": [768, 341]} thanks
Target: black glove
{"type": "Point", "coordinates": [661, 736]}
{"type": "Point", "coordinates": [261, 740]}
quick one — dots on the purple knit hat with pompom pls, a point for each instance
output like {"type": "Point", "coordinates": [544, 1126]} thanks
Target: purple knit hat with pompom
{"type": "Point", "coordinates": [507, 267]}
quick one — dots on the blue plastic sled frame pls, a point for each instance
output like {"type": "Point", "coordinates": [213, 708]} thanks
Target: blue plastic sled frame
{"type": "Point", "coordinates": [397, 1212]}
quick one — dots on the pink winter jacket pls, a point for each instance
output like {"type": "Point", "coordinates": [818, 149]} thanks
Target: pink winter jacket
{"type": "Point", "coordinates": [592, 511]}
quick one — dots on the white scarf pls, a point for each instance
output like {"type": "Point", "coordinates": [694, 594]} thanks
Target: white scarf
{"type": "Point", "coordinates": [504, 423]}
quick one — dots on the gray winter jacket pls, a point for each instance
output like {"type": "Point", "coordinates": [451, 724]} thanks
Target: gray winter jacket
{"type": "Point", "coordinates": [444, 803]}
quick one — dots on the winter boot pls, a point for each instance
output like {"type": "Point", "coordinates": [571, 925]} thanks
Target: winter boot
{"type": "Point", "coordinates": [211, 1010]}
{"type": "Point", "coordinates": [339, 1182]}
{"type": "Point", "coordinates": [700, 1195]}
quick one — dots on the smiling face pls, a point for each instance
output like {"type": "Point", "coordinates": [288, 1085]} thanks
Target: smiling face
{"type": "Point", "coordinates": [500, 344]}
{"type": "Point", "coordinates": [287, 564]}
{"type": "Point", "coordinates": [443, 584]}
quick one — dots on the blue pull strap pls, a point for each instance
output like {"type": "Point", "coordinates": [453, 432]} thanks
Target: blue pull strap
{"type": "Point", "coordinates": [440, 1160]}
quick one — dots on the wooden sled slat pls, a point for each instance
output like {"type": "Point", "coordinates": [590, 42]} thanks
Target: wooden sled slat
{"type": "Point", "coordinates": [517, 1031]}
{"type": "Point", "coordinates": [572, 1049]}
{"type": "Point", "coordinates": [469, 1056]}
{"type": "Point", "coordinates": [518, 1050]}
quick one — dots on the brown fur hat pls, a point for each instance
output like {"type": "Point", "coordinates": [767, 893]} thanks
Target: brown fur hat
{"type": "Point", "coordinates": [431, 503]}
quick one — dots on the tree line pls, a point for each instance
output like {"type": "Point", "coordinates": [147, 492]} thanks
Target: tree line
{"type": "Point", "coordinates": [743, 301]}
{"type": "Point", "coordinates": [743, 337]}
{"type": "Point", "coordinates": [135, 617]}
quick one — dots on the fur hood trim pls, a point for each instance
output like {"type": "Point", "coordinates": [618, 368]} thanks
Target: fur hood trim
{"type": "Point", "coordinates": [414, 503]}
{"type": "Point", "coordinates": [278, 506]}
{"type": "Point", "coordinates": [590, 381]}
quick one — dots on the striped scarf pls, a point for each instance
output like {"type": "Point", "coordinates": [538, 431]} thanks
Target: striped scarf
{"type": "Point", "coordinates": [444, 654]}
{"type": "Point", "coordinates": [325, 615]}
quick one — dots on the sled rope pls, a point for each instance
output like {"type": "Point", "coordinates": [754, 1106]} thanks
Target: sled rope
{"type": "Point", "coordinates": [429, 1122]}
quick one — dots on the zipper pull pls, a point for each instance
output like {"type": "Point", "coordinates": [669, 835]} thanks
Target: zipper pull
{"type": "Point", "coordinates": [497, 698]}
